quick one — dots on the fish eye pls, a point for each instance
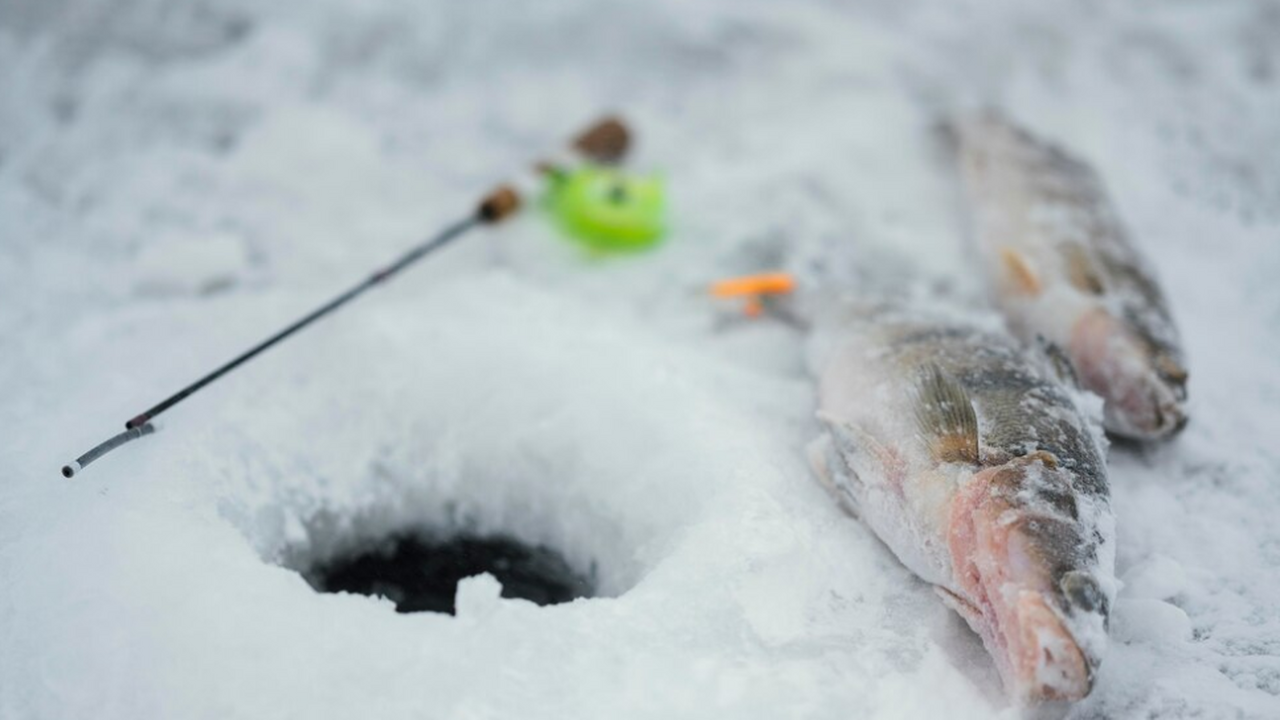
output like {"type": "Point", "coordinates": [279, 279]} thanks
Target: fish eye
{"type": "Point", "coordinates": [1082, 592]}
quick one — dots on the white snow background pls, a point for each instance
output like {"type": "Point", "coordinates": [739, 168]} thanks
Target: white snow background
{"type": "Point", "coordinates": [177, 180]}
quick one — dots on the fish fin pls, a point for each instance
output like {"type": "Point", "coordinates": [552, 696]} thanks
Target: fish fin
{"type": "Point", "coordinates": [1058, 363]}
{"type": "Point", "coordinates": [946, 417]}
{"type": "Point", "coordinates": [823, 458]}
{"type": "Point", "coordinates": [1082, 272]}
{"type": "Point", "coordinates": [1018, 269]}
{"type": "Point", "coordinates": [817, 453]}
{"type": "Point", "coordinates": [862, 453]}
{"type": "Point", "coordinates": [1044, 457]}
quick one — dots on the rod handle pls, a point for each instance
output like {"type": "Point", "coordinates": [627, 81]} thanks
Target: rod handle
{"type": "Point", "coordinates": [499, 205]}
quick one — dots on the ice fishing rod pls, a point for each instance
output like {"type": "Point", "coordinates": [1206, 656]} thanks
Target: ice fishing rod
{"type": "Point", "coordinates": [604, 142]}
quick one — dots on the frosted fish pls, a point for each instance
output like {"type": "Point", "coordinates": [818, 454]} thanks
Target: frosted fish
{"type": "Point", "coordinates": [1066, 273]}
{"type": "Point", "coordinates": [969, 459]}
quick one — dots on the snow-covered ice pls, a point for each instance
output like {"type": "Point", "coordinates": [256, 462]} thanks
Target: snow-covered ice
{"type": "Point", "coordinates": [179, 179]}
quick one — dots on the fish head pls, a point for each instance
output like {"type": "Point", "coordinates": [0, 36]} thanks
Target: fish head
{"type": "Point", "coordinates": [1026, 569]}
{"type": "Point", "coordinates": [1142, 379]}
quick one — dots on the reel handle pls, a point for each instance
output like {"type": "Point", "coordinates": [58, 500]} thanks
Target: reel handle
{"type": "Point", "coordinates": [607, 141]}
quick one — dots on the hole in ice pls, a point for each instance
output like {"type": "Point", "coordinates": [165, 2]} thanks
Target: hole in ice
{"type": "Point", "coordinates": [420, 573]}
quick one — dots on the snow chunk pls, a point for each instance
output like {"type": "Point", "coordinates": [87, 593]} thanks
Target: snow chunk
{"type": "Point", "coordinates": [1150, 621]}
{"type": "Point", "coordinates": [1160, 577]}
{"type": "Point", "coordinates": [190, 265]}
{"type": "Point", "coordinates": [479, 596]}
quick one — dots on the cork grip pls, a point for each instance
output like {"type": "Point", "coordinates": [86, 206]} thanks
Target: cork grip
{"type": "Point", "coordinates": [499, 204]}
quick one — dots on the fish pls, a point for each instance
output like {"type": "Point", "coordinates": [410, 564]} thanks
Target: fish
{"type": "Point", "coordinates": [963, 451]}
{"type": "Point", "coordinates": [1066, 274]}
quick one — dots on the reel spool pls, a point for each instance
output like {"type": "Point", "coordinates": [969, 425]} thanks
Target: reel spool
{"type": "Point", "coordinates": [607, 210]}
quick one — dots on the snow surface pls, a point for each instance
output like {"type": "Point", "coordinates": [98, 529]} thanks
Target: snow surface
{"type": "Point", "coordinates": [178, 179]}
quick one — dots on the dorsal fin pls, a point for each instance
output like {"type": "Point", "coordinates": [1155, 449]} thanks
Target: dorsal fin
{"type": "Point", "coordinates": [1082, 272]}
{"type": "Point", "coordinates": [946, 417]}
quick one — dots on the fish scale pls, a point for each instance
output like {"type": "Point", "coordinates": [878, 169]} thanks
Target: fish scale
{"type": "Point", "coordinates": [1064, 270]}
{"type": "Point", "coordinates": [964, 452]}
{"type": "Point", "coordinates": [998, 377]}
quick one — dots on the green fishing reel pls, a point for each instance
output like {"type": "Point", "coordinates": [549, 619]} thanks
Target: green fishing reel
{"type": "Point", "coordinates": [607, 210]}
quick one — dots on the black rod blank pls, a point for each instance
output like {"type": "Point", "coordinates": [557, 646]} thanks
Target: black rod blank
{"type": "Point", "coordinates": [449, 233]}
{"type": "Point", "coordinates": [606, 141]}
{"type": "Point", "coordinates": [141, 424]}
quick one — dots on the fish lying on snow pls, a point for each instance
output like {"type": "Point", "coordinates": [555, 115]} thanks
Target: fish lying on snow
{"type": "Point", "coordinates": [964, 453]}
{"type": "Point", "coordinates": [1065, 272]}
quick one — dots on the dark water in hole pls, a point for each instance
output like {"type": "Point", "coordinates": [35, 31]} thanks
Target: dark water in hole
{"type": "Point", "coordinates": [421, 574]}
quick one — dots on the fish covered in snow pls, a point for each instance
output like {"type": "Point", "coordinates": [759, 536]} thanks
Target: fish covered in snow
{"type": "Point", "coordinates": [1066, 274]}
{"type": "Point", "coordinates": [963, 451]}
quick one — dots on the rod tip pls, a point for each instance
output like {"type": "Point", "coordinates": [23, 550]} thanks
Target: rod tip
{"type": "Point", "coordinates": [69, 471]}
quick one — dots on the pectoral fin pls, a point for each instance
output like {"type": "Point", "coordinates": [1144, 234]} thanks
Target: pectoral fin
{"type": "Point", "coordinates": [946, 418]}
{"type": "Point", "coordinates": [1020, 273]}
{"type": "Point", "coordinates": [818, 452]}
{"type": "Point", "coordinates": [867, 459]}
{"type": "Point", "coordinates": [1082, 272]}
{"type": "Point", "coordinates": [825, 462]}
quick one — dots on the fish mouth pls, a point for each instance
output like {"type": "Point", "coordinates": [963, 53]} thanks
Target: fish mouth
{"type": "Point", "coordinates": [1038, 659]}
{"type": "Point", "coordinates": [1145, 410]}
{"type": "Point", "coordinates": [1010, 593]}
{"type": "Point", "coordinates": [1047, 661]}
{"type": "Point", "coordinates": [1145, 391]}
{"type": "Point", "coordinates": [1168, 409]}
